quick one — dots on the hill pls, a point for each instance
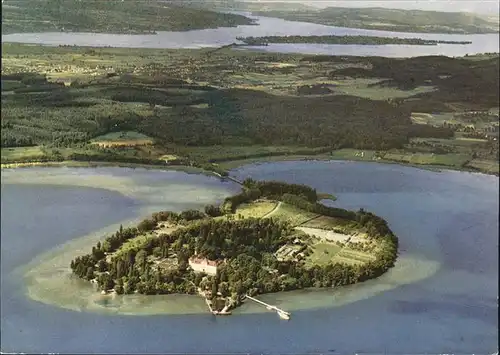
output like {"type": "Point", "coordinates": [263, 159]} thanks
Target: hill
{"type": "Point", "coordinates": [110, 16]}
{"type": "Point", "coordinates": [395, 20]}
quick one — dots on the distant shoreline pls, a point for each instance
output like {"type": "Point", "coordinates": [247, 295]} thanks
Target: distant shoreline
{"type": "Point", "coordinates": [344, 40]}
{"type": "Point", "coordinates": [233, 164]}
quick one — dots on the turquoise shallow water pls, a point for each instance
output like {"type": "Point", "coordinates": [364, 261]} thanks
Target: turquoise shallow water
{"type": "Point", "coordinates": [440, 298]}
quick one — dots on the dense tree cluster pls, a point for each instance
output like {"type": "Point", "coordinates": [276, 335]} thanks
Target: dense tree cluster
{"type": "Point", "coordinates": [276, 189]}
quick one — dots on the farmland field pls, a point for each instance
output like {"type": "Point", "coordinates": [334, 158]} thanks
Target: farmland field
{"type": "Point", "coordinates": [328, 223]}
{"type": "Point", "coordinates": [291, 214]}
{"type": "Point", "coordinates": [457, 160]}
{"type": "Point", "coordinates": [12, 154]}
{"type": "Point", "coordinates": [322, 254]}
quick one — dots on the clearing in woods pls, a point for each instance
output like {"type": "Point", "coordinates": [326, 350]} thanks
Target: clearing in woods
{"type": "Point", "coordinates": [125, 139]}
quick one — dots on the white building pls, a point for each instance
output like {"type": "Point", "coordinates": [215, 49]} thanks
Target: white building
{"type": "Point", "coordinates": [209, 267]}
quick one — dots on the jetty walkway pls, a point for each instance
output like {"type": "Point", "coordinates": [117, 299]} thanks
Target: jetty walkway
{"type": "Point", "coordinates": [283, 314]}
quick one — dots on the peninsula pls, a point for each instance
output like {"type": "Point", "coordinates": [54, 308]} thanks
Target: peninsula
{"type": "Point", "coordinates": [360, 40]}
{"type": "Point", "coordinates": [271, 237]}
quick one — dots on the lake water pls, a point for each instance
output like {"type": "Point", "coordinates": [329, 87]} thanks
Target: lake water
{"type": "Point", "coordinates": [441, 297]}
{"type": "Point", "coordinates": [267, 26]}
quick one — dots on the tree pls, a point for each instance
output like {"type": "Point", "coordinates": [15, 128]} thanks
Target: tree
{"type": "Point", "coordinates": [119, 289]}
{"type": "Point", "coordinates": [90, 273]}
{"type": "Point", "coordinates": [102, 266]}
{"type": "Point", "coordinates": [224, 289]}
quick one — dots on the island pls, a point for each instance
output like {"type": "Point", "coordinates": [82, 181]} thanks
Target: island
{"type": "Point", "coordinates": [271, 237]}
{"type": "Point", "coordinates": [361, 40]}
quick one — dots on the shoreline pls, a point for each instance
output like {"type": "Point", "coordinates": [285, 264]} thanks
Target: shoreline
{"type": "Point", "coordinates": [235, 164]}
{"type": "Point", "coordinates": [43, 284]}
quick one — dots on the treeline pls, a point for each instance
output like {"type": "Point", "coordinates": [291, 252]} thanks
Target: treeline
{"type": "Point", "coordinates": [110, 157]}
{"type": "Point", "coordinates": [316, 207]}
{"type": "Point", "coordinates": [361, 40]}
{"type": "Point", "coordinates": [298, 151]}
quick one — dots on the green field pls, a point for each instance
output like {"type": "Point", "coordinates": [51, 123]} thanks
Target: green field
{"type": "Point", "coordinates": [13, 154]}
{"type": "Point", "coordinates": [133, 243]}
{"type": "Point", "coordinates": [121, 136]}
{"type": "Point", "coordinates": [330, 223]}
{"type": "Point", "coordinates": [291, 214]}
{"type": "Point", "coordinates": [452, 160]}
{"type": "Point", "coordinates": [323, 253]}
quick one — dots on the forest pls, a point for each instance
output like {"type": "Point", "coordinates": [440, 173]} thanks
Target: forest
{"type": "Point", "coordinates": [362, 40]}
{"type": "Point", "coordinates": [232, 117]}
{"type": "Point", "coordinates": [244, 249]}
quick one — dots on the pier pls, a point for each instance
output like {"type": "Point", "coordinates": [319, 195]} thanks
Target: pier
{"type": "Point", "coordinates": [283, 314]}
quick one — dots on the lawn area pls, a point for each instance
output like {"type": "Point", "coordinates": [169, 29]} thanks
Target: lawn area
{"type": "Point", "coordinates": [330, 223]}
{"type": "Point", "coordinates": [356, 256]}
{"type": "Point", "coordinates": [132, 243]}
{"type": "Point", "coordinates": [353, 154]}
{"type": "Point", "coordinates": [13, 154]}
{"type": "Point", "coordinates": [256, 209]}
{"type": "Point", "coordinates": [291, 214]}
{"type": "Point", "coordinates": [453, 160]}
{"type": "Point", "coordinates": [322, 254]}
{"type": "Point", "coordinates": [489, 166]}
